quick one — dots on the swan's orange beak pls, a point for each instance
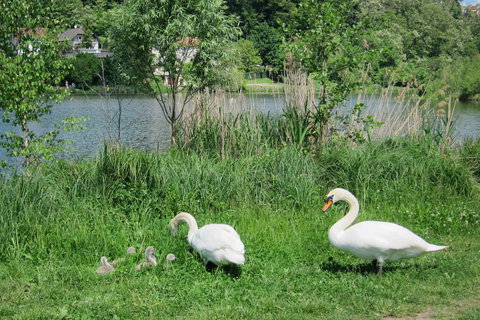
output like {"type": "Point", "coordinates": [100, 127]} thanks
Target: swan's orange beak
{"type": "Point", "coordinates": [328, 203]}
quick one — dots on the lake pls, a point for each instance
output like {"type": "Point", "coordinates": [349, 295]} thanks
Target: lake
{"type": "Point", "coordinates": [144, 127]}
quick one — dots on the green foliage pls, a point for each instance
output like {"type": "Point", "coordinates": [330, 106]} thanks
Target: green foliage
{"type": "Point", "coordinates": [223, 135]}
{"type": "Point", "coordinates": [396, 37]}
{"type": "Point", "coordinates": [470, 153]}
{"type": "Point", "coordinates": [85, 70]}
{"type": "Point", "coordinates": [64, 13]}
{"type": "Point", "coordinates": [190, 39]}
{"type": "Point", "coordinates": [73, 205]}
{"type": "Point", "coordinates": [321, 35]}
{"type": "Point", "coordinates": [459, 78]}
{"type": "Point", "coordinates": [412, 42]}
{"type": "Point", "coordinates": [56, 225]}
{"type": "Point", "coordinates": [383, 52]}
{"type": "Point", "coordinates": [269, 42]}
{"type": "Point", "coordinates": [228, 72]}
{"type": "Point", "coordinates": [248, 55]}
{"type": "Point", "coordinates": [427, 28]}
{"type": "Point", "coordinates": [252, 13]}
{"type": "Point", "coordinates": [321, 38]}
{"type": "Point", "coordinates": [232, 78]}
{"type": "Point", "coordinates": [468, 78]}
{"type": "Point", "coordinates": [45, 147]}
{"type": "Point", "coordinates": [354, 127]}
{"type": "Point", "coordinates": [31, 69]}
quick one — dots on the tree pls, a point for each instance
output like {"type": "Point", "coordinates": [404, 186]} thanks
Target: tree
{"type": "Point", "coordinates": [251, 13]}
{"type": "Point", "coordinates": [182, 40]}
{"type": "Point", "coordinates": [247, 15]}
{"type": "Point", "coordinates": [248, 55]}
{"type": "Point", "coordinates": [322, 38]}
{"type": "Point", "coordinates": [269, 42]}
{"type": "Point", "coordinates": [85, 69]}
{"type": "Point", "coordinates": [63, 13]}
{"type": "Point", "coordinates": [31, 66]}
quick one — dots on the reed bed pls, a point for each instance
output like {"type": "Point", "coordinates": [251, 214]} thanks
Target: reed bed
{"type": "Point", "coordinates": [402, 112]}
{"type": "Point", "coordinates": [210, 127]}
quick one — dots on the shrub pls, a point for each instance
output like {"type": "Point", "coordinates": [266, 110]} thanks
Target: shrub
{"type": "Point", "coordinates": [85, 71]}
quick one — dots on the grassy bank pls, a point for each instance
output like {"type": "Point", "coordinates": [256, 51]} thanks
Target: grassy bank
{"type": "Point", "coordinates": [55, 226]}
{"type": "Point", "coordinates": [263, 85]}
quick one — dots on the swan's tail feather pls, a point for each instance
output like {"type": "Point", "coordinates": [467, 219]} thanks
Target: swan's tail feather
{"type": "Point", "coordinates": [235, 258]}
{"type": "Point", "coordinates": [433, 247]}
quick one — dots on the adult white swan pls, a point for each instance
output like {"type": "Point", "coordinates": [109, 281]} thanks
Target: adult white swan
{"type": "Point", "coordinates": [217, 243]}
{"type": "Point", "coordinates": [373, 240]}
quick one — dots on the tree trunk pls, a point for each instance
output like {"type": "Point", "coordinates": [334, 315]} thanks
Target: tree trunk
{"type": "Point", "coordinates": [173, 127]}
{"type": "Point", "coordinates": [26, 140]}
{"type": "Point", "coordinates": [173, 116]}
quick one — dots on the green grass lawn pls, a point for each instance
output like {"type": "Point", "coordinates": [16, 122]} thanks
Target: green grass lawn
{"type": "Point", "coordinates": [261, 81]}
{"type": "Point", "coordinates": [265, 85]}
{"type": "Point", "coordinates": [291, 272]}
{"type": "Point", "coordinates": [55, 226]}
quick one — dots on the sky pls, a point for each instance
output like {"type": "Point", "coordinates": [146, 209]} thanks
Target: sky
{"type": "Point", "coordinates": [470, 1]}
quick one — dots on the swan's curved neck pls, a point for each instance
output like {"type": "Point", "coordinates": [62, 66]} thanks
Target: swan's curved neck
{"type": "Point", "coordinates": [151, 260]}
{"type": "Point", "coordinates": [348, 219]}
{"type": "Point", "coordinates": [104, 261]}
{"type": "Point", "coordinates": [189, 220]}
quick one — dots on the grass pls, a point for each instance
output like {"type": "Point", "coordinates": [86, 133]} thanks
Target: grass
{"type": "Point", "coordinates": [55, 226]}
{"type": "Point", "coordinates": [287, 277]}
{"type": "Point", "coordinates": [261, 81]}
{"type": "Point", "coordinates": [263, 85]}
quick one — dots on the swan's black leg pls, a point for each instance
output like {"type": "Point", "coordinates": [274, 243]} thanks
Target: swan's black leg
{"type": "Point", "coordinates": [377, 266]}
{"type": "Point", "coordinates": [380, 268]}
{"type": "Point", "coordinates": [210, 266]}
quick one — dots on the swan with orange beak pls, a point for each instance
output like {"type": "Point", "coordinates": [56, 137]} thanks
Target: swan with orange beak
{"type": "Point", "coordinates": [377, 241]}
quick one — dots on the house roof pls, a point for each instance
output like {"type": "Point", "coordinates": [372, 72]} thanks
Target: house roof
{"type": "Point", "coordinates": [37, 32]}
{"type": "Point", "coordinates": [189, 42]}
{"type": "Point", "coordinates": [69, 34]}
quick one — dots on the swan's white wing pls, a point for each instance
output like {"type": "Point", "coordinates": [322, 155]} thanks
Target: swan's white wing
{"type": "Point", "coordinates": [219, 243]}
{"type": "Point", "coordinates": [384, 235]}
{"type": "Point", "coordinates": [381, 240]}
{"type": "Point", "coordinates": [218, 236]}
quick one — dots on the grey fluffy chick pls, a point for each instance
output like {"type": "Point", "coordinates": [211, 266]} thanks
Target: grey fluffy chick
{"type": "Point", "coordinates": [106, 267]}
{"type": "Point", "coordinates": [149, 257]}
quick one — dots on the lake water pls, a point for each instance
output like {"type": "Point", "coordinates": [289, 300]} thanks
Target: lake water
{"type": "Point", "coordinates": [143, 125]}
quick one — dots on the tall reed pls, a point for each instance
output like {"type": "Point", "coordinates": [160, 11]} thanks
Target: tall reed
{"type": "Point", "coordinates": [402, 112]}
{"type": "Point", "coordinates": [299, 88]}
{"type": "Point", "coordinates": [210, 128]}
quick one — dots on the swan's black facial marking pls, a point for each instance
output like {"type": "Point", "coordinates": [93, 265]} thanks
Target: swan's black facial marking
{"type": "Point", "coordinates": [328, 203]}
{"type": "Point", "coordinates": [329, 198]}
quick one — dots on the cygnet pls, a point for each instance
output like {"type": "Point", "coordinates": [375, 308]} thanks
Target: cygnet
{"type": "Point", "coordinates": [106, 267]}
{"type": "Point", "coordinates": [150, 259]}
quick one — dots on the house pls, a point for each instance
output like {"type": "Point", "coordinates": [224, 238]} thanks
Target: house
{"type": "Point", "coordinates": [75, 38]}
{"type": "Point", "coordinates": [36, 34]}
{"type": "Point", "coordinates": [185, 53]}
{"type": "Point", "coordinates": [475, 8]}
